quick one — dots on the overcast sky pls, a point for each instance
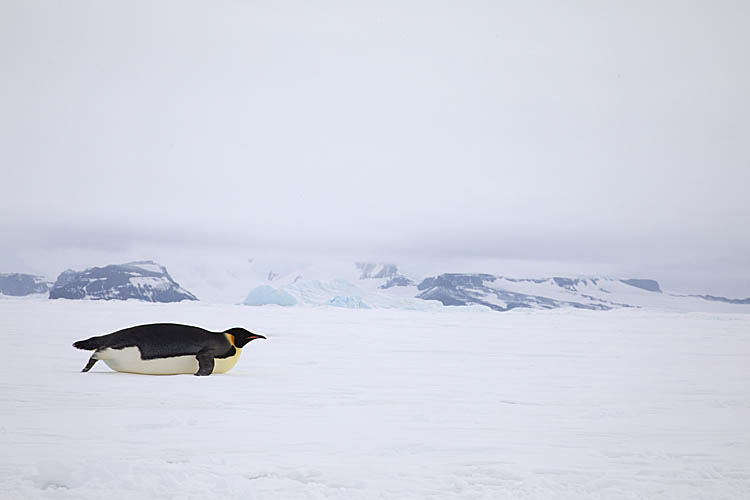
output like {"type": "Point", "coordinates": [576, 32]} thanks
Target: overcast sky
{"type": "Point", "coordinates": [533, 131]}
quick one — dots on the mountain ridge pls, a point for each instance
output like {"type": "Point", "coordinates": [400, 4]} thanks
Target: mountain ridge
{"type": "Point", "coordinates": [141, 280]}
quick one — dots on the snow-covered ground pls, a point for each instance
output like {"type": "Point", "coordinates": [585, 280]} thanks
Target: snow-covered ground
{"type": "Point", "coordinates": [382, 404]}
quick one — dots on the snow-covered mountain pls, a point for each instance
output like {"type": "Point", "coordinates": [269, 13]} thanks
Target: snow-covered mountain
{"type": "Point", "coordinates": [378, 285]}
{"type": "Point", "coordinates": [20, 285]}
{"type": "Point", "coordinates": [142, 280]}
{"type": "Point", "coordinates": [323, 281]}
{"type": "Point", "coordinates": [503, 294]}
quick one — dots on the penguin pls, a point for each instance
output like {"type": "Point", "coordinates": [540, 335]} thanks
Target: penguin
{"type": "Point", "coordinates": [168, 349]}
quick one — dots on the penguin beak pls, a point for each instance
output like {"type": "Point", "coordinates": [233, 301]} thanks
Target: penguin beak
{"type": "Point", "coordinates": [256, 336]}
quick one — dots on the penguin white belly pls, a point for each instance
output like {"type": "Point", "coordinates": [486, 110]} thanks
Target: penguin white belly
{"type": "Point", "coordinates": [223, 365]}
{"type": "Point", "coordinates": [129, 360]}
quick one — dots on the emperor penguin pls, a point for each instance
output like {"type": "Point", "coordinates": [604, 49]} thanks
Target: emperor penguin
{"type": "Point", "coordinates": [168, 349]}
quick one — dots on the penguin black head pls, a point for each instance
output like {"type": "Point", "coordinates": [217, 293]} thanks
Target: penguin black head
{"type": "Point", "coordinates": [240, 337]}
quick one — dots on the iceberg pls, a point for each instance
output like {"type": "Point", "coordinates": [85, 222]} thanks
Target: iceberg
{"type": "Point", "coordinates": [264, 295]}
{"type": "Point", "coordinates": [348, 302]}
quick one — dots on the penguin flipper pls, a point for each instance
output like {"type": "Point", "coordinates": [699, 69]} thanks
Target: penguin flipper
{"type": "Point", "coordinates": [205, 363]}
{"type": "Point", "coordinates": [90, 364]}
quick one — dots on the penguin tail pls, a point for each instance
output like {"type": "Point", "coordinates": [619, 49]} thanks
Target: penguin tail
{"type": "Point", "coordinates": [91, 344]}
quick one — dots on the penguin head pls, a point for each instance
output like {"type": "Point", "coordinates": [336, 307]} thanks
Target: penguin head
{"type": "Point", "coordinates": [240, 337]}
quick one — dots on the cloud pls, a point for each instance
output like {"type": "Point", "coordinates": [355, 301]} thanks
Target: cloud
{"type": "Point", "coordinates": [552, 133]}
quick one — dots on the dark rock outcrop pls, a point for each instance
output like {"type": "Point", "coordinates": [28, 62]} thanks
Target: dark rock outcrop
{"type": "Point", "coordinates": [649, 285]}
{"type": "Point", "coordinates": [371, 270]}
{"type": "Point", "coordinates": [724, 299]}
{"type": "Point", "coordinates": [397, 280]}
{"type": "Point", "coordinates": [572, 283]}
{"type": "Point", "coordinates": [456, 280]}
{"type": "Point", "coordinates": [143, 280]}
{"type": "Point", "coordinates": [466, 289]}
{"type": "Point", "coordinates": [19, 285]}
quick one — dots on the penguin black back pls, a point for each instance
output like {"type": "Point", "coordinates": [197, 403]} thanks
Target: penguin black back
{"type": "Point", "coordinates": [159, 341]}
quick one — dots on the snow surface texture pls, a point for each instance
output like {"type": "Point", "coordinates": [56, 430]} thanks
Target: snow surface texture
{"type": "Point", "coordinates": [382, 404]}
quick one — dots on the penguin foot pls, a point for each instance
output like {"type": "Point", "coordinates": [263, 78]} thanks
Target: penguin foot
{"type": "Point", "coordinates": [90, 364]}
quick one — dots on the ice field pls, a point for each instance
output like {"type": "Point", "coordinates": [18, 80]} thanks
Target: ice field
{"type": "Point", "coordinates": [382, 404]}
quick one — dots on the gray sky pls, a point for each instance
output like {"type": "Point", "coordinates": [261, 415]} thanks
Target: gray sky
{"type": "Point", "coordinates": [583, 132]}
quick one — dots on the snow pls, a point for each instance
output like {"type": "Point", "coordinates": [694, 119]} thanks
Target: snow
{"type": "Point", "coordinates": [228, 278]}
{"type": "Point", "coordinates": [318, 292]}
{"type": "Point", "coordinates": [145, 282]}
{"type": "Point", "coordinates": [382, 404]}
{"type": "Point", "coordinates": [353, 302]}
{"type": "Point", "coordinates": [54, 474]}
{"type": "Point", "coordinates": [23, 298]}
{"type": "Point", "coordinates": [148, 266]}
